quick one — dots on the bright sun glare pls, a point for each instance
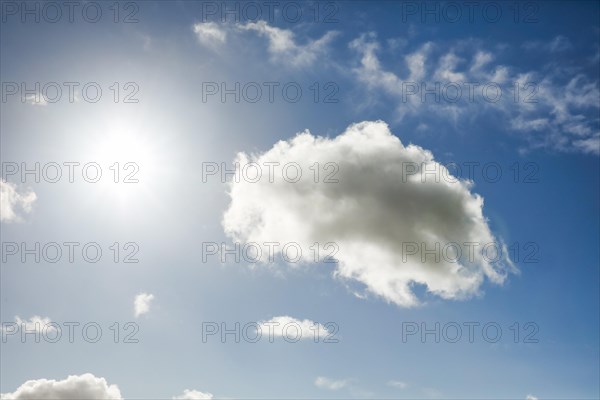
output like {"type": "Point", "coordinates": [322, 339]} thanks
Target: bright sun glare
{"type": "Point", "coordinates": [130, 160]}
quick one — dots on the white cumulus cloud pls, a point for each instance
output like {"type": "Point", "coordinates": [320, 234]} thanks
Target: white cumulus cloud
{"type": "Point", "coordinates": [12, 203]}
{"type": "Point", "coordinates": [193, 395]}
{"type": "Point", "coordinates": [371, 214]}
{"type": "Point", "coordinates": [80, 387]}
{"type": "Point", "coordinates": [141, 303]}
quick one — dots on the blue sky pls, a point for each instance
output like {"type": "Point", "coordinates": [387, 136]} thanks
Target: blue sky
{"type": "Point", "coordinates": [365, 57]}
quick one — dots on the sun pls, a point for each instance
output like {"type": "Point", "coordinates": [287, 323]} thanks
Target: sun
{"type": "Point", "coordinates": [130, 157]}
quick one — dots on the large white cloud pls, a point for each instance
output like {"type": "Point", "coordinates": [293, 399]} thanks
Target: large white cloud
{"type": "Point", "coordinates": [12, 203]}
{"type": "Point", "coordinates": [74, 387]}
{"type": "Point", "coordinates": [372, 213]}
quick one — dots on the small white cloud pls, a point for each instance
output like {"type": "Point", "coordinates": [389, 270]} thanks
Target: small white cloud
{"type": "Point", "coordinates": [142, 303]}
{"type": "Point", "coordinates": [193, 395]}
{"type": "Point", "coordinates": [85, 386]}
{"type": "Point", "coordinates": [13, 202]}
{"type": "Point", "coordinates": [210, 34]}
{"type": "Point", "coordinates": [307, 328]}
{"type": "Point", "coordinates": [36, 323]}
{"type": "Point", "coordinates": [530, 397]}
{"type": "Point", "coordinates": [330, 384]}
{"type": "Point", "coordinates": [398, 384]}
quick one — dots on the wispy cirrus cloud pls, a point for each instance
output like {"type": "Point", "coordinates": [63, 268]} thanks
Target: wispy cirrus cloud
{"type": "Point", "coordinates": [284, 46]}
{"type": "Point", "coordinates": [554, 108]}
{"type": "Point", "coordinates": [550, 109]}
{"type": "Point", "coordinates": [558, 44]}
